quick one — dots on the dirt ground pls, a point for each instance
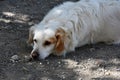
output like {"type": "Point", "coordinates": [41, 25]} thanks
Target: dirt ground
{"type": "Point", "coordinates": [90, 62]}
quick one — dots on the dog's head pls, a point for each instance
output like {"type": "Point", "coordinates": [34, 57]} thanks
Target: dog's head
{"type": "Point", "coordinates": [46, 42]}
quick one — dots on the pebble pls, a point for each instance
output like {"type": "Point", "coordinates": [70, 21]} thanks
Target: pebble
{"type": "Point", "coordinates": [80, 79]}
{"type": "Point", "coordinates": [27, 58]}
{"type": "Point", "coordinates": [25, 69]}
{"type": "Point", "coordinates": [48, 63]}
{"type": "Point", "coordinates": [92, 49]}
{"type": "Point", "coordinates": [30, 23]}
{"type": "Point", "coordinates": [59, 62]}
{"type": "Point", "coordinates": [40, 63]}
{"type": "Point", "coordinates": [14, 58]}
{"type": "Point", "coordinates": [107, 73]}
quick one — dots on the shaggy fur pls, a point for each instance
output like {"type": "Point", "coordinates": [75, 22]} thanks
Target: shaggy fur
{"type": "Point", "coordinates": [73, 24]}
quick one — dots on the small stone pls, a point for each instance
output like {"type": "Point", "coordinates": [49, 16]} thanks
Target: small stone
{"type": "Point", "coordinates": [30, 23]}
{"type": "Point", "coordinates": [92, 49]}
{"type": "Point", "coordinates": [25, 69]}
{"type": "Point", "coordinates": [63, 77]}
{"type": "Point", "coordinates": [40, 63]}
{"type": "Point", "coordinates": [14, 58]}
{"type": "Point", "coordinates": [59, 62]}
{"type": "Point", "coordinates": [107, 73]}
{"type": "Point", "coordinates": [27, 58]}
{"type": "Point", "coordinates": [80, 79]}
{"type": "Point", "coordinates": [47, 62]}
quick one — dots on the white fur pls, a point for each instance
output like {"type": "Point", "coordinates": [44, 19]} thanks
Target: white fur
{"type": "Point", "coordinates": [85, 22]}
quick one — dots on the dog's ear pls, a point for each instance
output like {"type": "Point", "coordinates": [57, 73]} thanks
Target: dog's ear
{"type": "Point", "coordinates": [59, 47]}
{"type": "Point", "coordinates": [31, 35]}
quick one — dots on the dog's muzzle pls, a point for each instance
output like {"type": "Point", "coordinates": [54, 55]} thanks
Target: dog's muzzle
{"type": "Point", "coordinates": [34, 55]}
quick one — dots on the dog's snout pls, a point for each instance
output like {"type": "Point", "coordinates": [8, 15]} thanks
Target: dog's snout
{"type": "Point", "coordinates": [34, 55]}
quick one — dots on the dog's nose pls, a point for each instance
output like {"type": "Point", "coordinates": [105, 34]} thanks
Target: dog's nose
{"type": "Point", "coordinates": [34, 55]}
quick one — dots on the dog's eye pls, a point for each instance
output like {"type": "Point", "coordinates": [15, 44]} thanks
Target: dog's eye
{"type": "Point", "coordinates": [35, 40]}
{"type": "Point", "coordinates": [47, 43]}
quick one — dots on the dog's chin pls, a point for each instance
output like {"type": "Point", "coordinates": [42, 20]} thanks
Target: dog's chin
{"type": "Point", "coordinates": [40, 56]}
{"type": "Point", "coordinates": [43, 56]}
{"type": "Point", "coordinates": [34, 58]}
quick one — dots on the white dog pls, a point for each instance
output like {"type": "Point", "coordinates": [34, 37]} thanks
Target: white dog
{"type": "Point", "coordinates": [73, 24]}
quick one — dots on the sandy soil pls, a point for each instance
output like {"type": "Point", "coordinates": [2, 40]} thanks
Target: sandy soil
{"type": "Point", "coordinates": [90, 62]}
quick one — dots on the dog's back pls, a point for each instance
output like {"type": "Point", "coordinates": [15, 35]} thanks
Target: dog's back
{"type": "Point", "coordinates": [100, 17]}
{"type": "Point", "coordinates": [109, 27]}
